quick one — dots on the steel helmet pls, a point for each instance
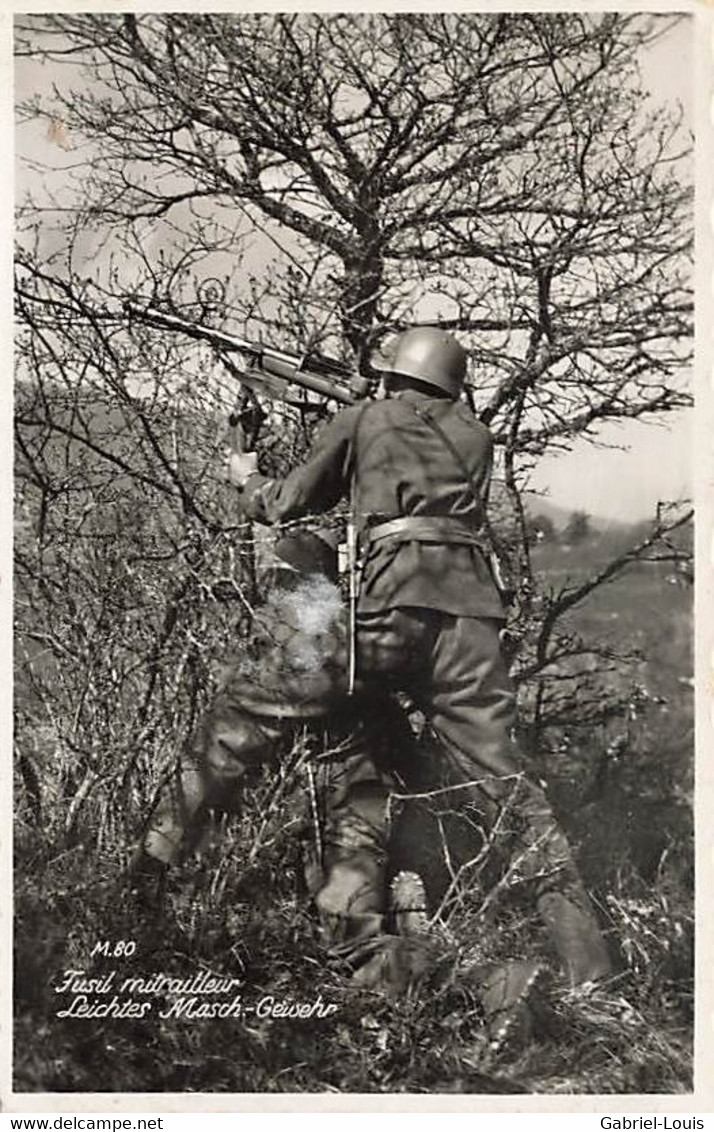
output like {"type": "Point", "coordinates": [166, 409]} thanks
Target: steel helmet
{"type": "Point", "coordinates": [430, 355]}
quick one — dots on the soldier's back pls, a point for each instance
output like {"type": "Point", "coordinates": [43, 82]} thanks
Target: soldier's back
{"type": "Point", "coordinates": [423, 457]}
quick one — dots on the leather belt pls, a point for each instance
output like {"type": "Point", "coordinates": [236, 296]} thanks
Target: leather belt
{"type": "Point", "coordinates": [412, 528]}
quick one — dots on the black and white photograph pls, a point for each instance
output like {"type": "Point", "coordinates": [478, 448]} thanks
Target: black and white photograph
{"type": "Point", "coordinates": [353, 554]}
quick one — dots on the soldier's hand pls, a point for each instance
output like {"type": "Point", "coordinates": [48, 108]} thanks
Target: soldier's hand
{"type": "Point", "coordinates": [240, 467]}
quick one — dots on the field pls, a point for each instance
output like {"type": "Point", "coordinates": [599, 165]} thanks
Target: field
{"type": "Point", "coordinates": [645, 790]}
{"type": "Point", "coordinates": [623, 791]}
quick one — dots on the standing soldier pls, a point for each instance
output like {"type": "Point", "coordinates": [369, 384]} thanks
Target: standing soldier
{"type": "Point", "coordinates": [417, 467]}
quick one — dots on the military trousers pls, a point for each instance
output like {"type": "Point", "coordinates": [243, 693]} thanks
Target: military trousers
{"type": "Point", "coordinates": [453, 670]}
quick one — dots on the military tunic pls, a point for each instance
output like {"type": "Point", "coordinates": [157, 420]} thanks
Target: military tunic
{"type": "Point", "coordinates": [400, 466]}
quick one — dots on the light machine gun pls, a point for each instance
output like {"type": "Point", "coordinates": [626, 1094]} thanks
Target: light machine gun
{"type": "Point", "coordinates": [266, 370]}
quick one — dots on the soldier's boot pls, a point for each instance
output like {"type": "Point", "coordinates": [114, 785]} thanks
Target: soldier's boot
{"type": "Point", "coordinates": [401, 961]}
{"type": "Point", "coordinates": [505, 992]}
{"type": "Point", "coordinates": [351, 907]}
{"type": "Point", "coordinates": [351, 897]}
{"type": "Point", "coordinates": [575, 934]}
{"type": "Point", "coordinates": [408, 902]}
{"type": "Point", "coordinates": [561, 899]}
{"type": "Point", "coordinates": [350, 903]}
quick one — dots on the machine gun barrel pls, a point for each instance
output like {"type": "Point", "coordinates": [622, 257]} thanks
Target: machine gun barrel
{"type": "Point", "coordinates": [319, 374]}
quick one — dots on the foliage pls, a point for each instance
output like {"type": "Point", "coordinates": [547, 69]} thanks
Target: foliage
{"type": "Point", "coordinates": [578, 527]}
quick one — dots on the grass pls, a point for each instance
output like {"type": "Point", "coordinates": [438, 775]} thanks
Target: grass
{"type": "Point", "coordinates": [631, 1037]}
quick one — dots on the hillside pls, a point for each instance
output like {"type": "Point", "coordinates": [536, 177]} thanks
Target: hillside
{"type": "Point", "coordinates": [540, 505]}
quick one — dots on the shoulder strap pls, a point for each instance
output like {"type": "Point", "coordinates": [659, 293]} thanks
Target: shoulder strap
{"type": "Point", "coordinates": [428, 419]}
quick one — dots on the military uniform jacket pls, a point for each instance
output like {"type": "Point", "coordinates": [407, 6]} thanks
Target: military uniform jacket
{"type": "Point", "coordinates": [400, 465]}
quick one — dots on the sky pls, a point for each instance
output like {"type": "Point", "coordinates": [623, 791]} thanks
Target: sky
{"type": "Point", "coordinates": [651, 462]}
{"type": "Point", "coordinates": [634, 464]}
